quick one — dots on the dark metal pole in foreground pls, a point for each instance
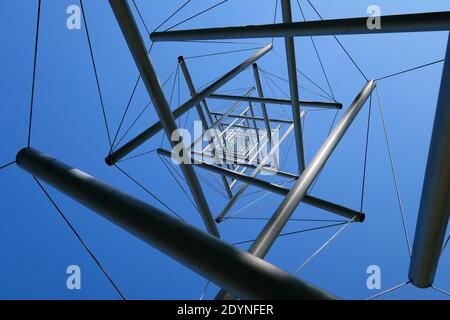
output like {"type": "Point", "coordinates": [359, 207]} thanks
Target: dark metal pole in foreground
{"type": "Point", "coordinates": [274, 226]}
{"type": "Point", "coordinates": [318, 104]}
{"type": "Point", "coordinates": [435, 203]}
{"type": "Point", "coordinates": [418, 22]}
{"type": "Point", "coordinates": [139, 52]}
{"type": "Point", "coordinates": [275, 188]}
{"type": "Point", "coordinates": [155, 128]}
{"type": "Point", "coordinates": [239, 272]}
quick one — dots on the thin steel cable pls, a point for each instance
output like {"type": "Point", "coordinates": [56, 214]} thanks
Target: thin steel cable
{"type": "Point", "coordinates": [445, 245]}
{"type": "Point", "coordinates": [96, 74]}
{"type": "Point", "coordinates": [141, 17]}
{"type": "Point", "coordinates": [204, 290]}
{"type": "Point", "coordinates": [318, 55]}
{"type": "Point", "coordinates": [97, 262]}
{"type": "Point", "coordinates": [366, 152]}
{"type": "Point", "coordinates": [149, 192]}
{"type": "Point", "coordinates": [341, 45]}
{"type": "Point", "coordinates": [178, 182]}
{"type": "Point", "coordinates": [345, 225]}
{"type": "Point", "coordinates": [138, 155]}
{"type": "Point", "coordinates": [409, 70]}
{"type": "Point", "coordinates": [7, 165]}
{"type": "Point", "coordinates": [291, 219]}
{"type": "Point", "coordinates": [33, 83]}
{"type": "Point", "coordinates": [389, 290]}
{"type": "Point", "coordinates": [327, 97]}
{"type": "Point", "coordinates": [172, 15]}
{"type": "Point", "coordinates": [275, 15]}
{"type": "Point", "coordinates": [125, 112]}
{"type": "Point", "coordinates": [441, 290]}
{"type": "Point", "coordinates": [196, 15]}
{"type": "Point", "coordinates": [220, 53]}
{"type": "Point", "coordinates": [304, 75]}
{"type": "Point", "coordinates": [293, 232]}
{"type": "Point", "coordinates": [394, 174]}
{"type": "Point", "coordinates": [142, 112]}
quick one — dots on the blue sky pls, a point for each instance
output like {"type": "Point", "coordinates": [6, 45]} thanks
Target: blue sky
{"type": "Point", "coordinates": [36, 246]}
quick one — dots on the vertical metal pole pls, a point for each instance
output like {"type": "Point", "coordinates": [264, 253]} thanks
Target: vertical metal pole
{"type": "Point", "coordinates": [434, 209]}
{"type": "Point", "coordinates": [293, 86]}
{"type": "Point", "coordinates": [274, 226]}
{"type": "Point", "coordinates": [191, 88]}
{"type": "Point", "coordinates": [263, 105]}
{"type": "Point", "coordinates": [136, 45]}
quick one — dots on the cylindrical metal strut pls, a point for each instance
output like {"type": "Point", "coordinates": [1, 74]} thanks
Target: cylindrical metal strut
{"type": "Point", "coordinates": [239, 272]}
{"type": "Point", "coordinates": [434, 208]}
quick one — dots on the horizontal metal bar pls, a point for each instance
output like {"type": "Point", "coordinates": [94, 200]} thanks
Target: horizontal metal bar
{"type": "Point", "coordinates": [239, 272]}
{"type": "Point", "coordinates": [275, 188]}
{"type": "Point", "coordinates": [155, 128]}
{"type": "Point", "coordinates": [253, 118]}
{"type": "Point", "coordinates": [418, 22]}
{"type": "Point", "coordinates": [305, 103]}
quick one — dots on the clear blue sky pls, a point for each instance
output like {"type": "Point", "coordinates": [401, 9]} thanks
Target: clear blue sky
{"type": "Point", "coordinates": [35, 244]}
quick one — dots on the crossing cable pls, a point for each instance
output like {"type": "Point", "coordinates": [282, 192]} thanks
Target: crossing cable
{"type": "Point", "coordinates": [389, 290]}
{"type": "Point", "coordinates": [340, 44]}
{"type": "Point", "coordinates": [96, 74]}
{"type": "Point", "coordinates": [7, 165]}
{"type": "Point", "coordinates": [149, 192]}
{"type": "Point", "coordinates": [275, 15]}
{"type": "Point", "coordinates": [445, 245]}
{"type": "Point", "coordinates": [97, 262]}
{"type": "Point", "coordinates": [275, 52]}
{"type": "Point", "coordinates": [411, 69]}
{"type": "Point", "coordinates": [394, 174]}
{"type": "Point", "coordinates": [294, 232]}
{"type": "Point", "coordinates": [345, 225]}
{"type": "Point", "coordinates": [220, 53]}
{"type": "Point", "coordinates": [441, 290]}
{"type": "Point", "coordinates": [326, 96]}
{"type": "Point", "coordinates": [317, 54]}
{"type": "Point", "coordinates": [36, 45]}
{"type": "Point", "coordinates": [142, 112]}
{"type": "Point", "coordinates": [163, 160]}
{"type": "Point", "coordinates": [196, 15]}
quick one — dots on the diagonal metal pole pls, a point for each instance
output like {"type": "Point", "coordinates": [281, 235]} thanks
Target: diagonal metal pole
{"type": "Point", "coordinates": [185, 107]}
{"type": "Point", "coordinates": [293, 86]}
{"type": "Point", "coordinates": [245, 275]}
{"type": "Point", "coordinates": [434, 208]}
{"type": "Point", "coordinates": [274, 226]}
{"type": "Point", "coordinates": [296, 195]}
{"type": "Point", "coordinates": [198, 106]}
{"type": "Point", "coordinates": [139, 52]}
{"type": "Point", "coordinates": [418, 22]}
